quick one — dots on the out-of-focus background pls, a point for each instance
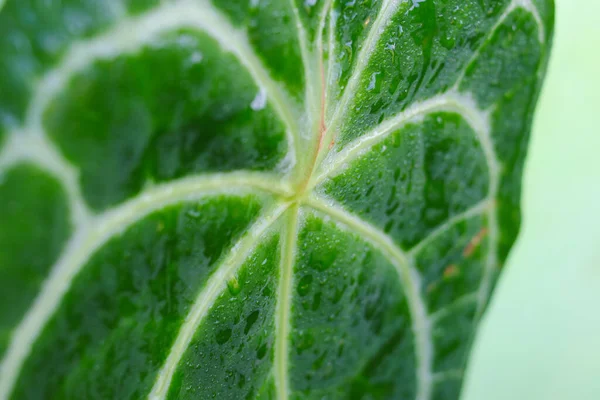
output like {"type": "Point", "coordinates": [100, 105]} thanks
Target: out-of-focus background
{"type": "Point", "coordinates": [541, 337]}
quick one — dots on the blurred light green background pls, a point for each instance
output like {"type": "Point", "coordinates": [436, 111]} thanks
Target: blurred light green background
{"type": "Point", "coordinates": [541, 337]}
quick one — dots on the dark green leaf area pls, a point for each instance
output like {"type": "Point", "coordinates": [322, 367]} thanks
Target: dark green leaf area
{"type": "Point", "coordinates": [452, 337]}
{"type": "Point", "coordinates": [415, 179]}
{"type": "Point", "coordinates": [351, 330]}
{"type": "Point", "coordinates": [350, 34]}
{"type": "Point", "coordinates": [511, 128]}
{"type": "Point", "coordinates": [268, 390]}
{"type": "Point", "coordinates": [447, 389]}
{"type": "Point", "coordinates": [178, 107]}
{"type": "Point", "coordinates": [546, 9]}
{"type": "Point", "coordinates": [422, 52]}
{"type": "Point", "coordinates": [452, 263]}
{"type": "Point", "coordinates": [508, 59]}
{"type": "Point", "coordinates": [138, 6]}
{"type": "Point", "coordinates": [512, 55]}
{"type": "Point", "coordinates": [117, 323]}
{"type": "Point", "coordinates": [35, 34]}
{"type": "Point", "coordinates": [273, 33]}
{"type": "Point", "coordinates": [231, 354]}
{"type": "Point", "coordinates": [31, 204]}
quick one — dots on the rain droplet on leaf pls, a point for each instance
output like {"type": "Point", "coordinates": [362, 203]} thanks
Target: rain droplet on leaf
{"type": "Point", "coordinates": [260, 100]}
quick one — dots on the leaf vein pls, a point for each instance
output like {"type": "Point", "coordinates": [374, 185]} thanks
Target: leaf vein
{"type": "Point", "coordinates": [207, 296]}
{"type": "Point", "coordinates": [130, 34]}
{"type": "Point", "coordinates": [514, 4]}
{"type": "Point", "coordinates": [284, 305]}
{"type": "Point", "coordinates": [452, 101]}
{"type": "Point", "coordinates": [97, 231]}
{"type": "Point", "coordinates": [388, 7]}
{"type": "Point", "coordinates": [409, 278]}
{"type": "Point", "coordinates": [473, 211]}
{"type": "Point", "coordinates": [39, 151]}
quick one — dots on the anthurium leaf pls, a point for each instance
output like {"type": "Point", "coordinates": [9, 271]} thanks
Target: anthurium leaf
{"type": "Point", "coordinates": [256, 199]}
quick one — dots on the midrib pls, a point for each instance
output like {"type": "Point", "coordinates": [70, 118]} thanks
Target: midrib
{"type": "Point", "coordinates": [283, 320]}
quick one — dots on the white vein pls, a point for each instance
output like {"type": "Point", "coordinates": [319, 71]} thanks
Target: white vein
{"type": "Point", "coordinates": [456, 304]}
{"type": "Point", "coordinates": [310, 76]}
{"type": "Point", "coordinates": [492, 256]}
{"type": "Point", "coordinates": [283, 323]}
{"type": "Point", "coordinates": [527, 5]}
{"type": "Point", "coordinates": [473, 211]}
{"type": "Point", "coordinates": [479, 120]}
{"type": "Point", "coordinates": [333, 16]}
{"type": "Point", "coordinates": [460, 103]}
{"type": "Point", "coordinates": [132, 33]}
{"type": "Point", "coordinates": [451, 374]}
{"type": "Point", "coordinates": [99, 229]}
{"type": "Point", "coordinates": [207, 296]}
{"type": "Point", "coordinates": [387, 11]}
{"type": "Point", "coordinates": [22, 147]}
{"type": "Point", "coordinates": [32, 145]}
{"type": "Point", "coordinates": [326, 11]}
{"type": "Point", "coordinates": [409, 277]}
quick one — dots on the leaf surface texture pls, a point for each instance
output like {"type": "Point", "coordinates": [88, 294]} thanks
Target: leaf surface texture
{"type": "Point", "coordinates": [261, 199]}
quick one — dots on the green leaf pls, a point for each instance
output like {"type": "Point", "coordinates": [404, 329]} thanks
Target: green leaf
{"type": "Point", "coordinates": [257, 199]}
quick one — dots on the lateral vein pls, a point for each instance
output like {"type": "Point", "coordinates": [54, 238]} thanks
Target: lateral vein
{"type": "Point", "coordinates": [206, 298]}
{"type": "Point", "coordinates": [460, 302]}
{"type": "Point", "coordinates": [311, 90]}
{"type": "Point", "coordinates": [288, 252]}
{"type": "Point", "coordinates": [459, 103]}
{"type": "Point", "coordinates": [409, 277]}
{"type": "Point", "coordinates": [130, 34]}
{"type": "Point", "coordinates": [39, 151]}
{"type": "Point", "coordinates": [527, 5]}
{"type": "Point", "coordinates": [473, 211]}
{"type": "Point", "coordinates": [98, 230]}
{"type": "Point", "coordinates": [387, 10]}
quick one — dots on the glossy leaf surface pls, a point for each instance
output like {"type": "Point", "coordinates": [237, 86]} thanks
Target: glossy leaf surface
{"type": "Point", "coordinates": [257, 199]}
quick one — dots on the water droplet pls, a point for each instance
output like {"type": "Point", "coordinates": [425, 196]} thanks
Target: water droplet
{"type": "Point", "coordinates": [223, 336]}
{"type": "Point", "coordinates": [305, 342]}
{"type": "Point", "coordinates": [416, 3]}
{"type": "Point", "coordinates": [316, 301]}
{"type": "Point", "coordinates": [234, 286]}
{"type": "Point", "coordinates": [250, 320]}
{"type": "Point", "coordinates": [186, 41]}
{"type": "Point", "coordinates": [260, 100]}
{"type": "Point", "coordinates": [375, 82]}
{"type": "Point", "coordinates": [193, 213]}
{"type": "Point", "coordinates": [195, 58]}
{"type": "Point", "coordinates": [261, 352]}
{"type": "Point", "coordinates": [304, 285]}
